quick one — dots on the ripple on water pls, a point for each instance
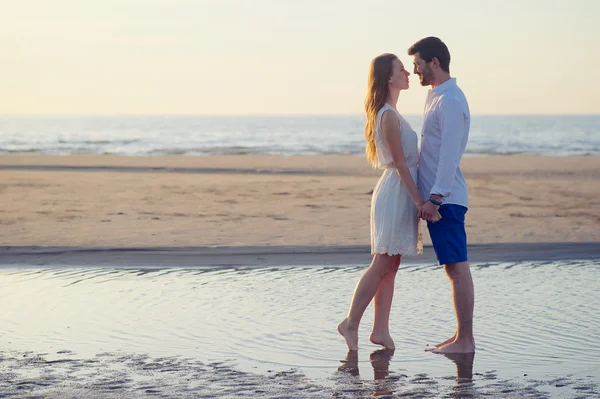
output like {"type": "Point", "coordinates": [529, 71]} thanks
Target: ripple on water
{"type": "Point", "coordinates": [539, 319]}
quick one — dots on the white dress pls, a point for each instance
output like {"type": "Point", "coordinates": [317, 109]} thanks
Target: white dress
{"type": "Point", "coordinates": [395, 227]}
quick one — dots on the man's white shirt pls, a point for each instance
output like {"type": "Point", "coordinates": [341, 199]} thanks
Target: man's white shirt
{"type": "Point", "coordinates": [446, 125]}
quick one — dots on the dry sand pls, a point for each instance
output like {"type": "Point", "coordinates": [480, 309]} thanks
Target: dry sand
{"type": "Point", "coordinates": [256, 201]}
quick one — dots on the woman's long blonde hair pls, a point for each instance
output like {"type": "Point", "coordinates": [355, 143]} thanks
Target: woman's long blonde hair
{"type": "Point", "coordinates": [377, 94]}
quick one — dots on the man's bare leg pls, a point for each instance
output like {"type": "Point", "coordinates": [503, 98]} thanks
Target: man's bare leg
{"type": "Point", "coordinates": [380, 335]}
{"type": "Point", "coordinates": [365, 290]}
{"type": "Point", "coordinates": [463, 297]}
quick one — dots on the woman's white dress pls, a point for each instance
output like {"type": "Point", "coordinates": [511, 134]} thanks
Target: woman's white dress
{"type": "Point", "coordinates": [395, 227]}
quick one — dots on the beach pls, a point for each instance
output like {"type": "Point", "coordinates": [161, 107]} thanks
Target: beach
{"type": "Point", "coordinates": [133, 269]}
{"type": "Point", "coordinates": [185, 201]}
{"type": "Point", "coordinates": [261, 201]}
{"type": "Point", "coordinates": [178, 331]}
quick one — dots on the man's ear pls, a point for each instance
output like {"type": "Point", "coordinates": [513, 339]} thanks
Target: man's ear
{"type": "Point", "coordinates": [435, 62]}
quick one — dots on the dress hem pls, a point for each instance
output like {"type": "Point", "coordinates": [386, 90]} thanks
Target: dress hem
{"type": "Point", "coordinates": [407, 253]}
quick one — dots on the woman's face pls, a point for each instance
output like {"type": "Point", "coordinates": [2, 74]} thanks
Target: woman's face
{"type": "Point", "coordinates": [399, 79]}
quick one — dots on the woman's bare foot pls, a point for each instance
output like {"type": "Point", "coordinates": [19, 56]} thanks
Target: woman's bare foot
{"type": "Point", "coordinates": [350, 334]}
{"type": "Point", "coordinates": [383, 339]}
{"type": "Point", "coordinates": [458, 346]}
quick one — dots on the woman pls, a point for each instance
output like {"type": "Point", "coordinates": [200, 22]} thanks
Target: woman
{"type": "Point", "coordinates": [392, 146]}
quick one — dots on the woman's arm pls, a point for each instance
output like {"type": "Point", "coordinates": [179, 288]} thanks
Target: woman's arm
{"type": "Point", "coordinates": [390, 125]}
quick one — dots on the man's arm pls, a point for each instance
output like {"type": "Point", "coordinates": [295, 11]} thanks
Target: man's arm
{"type": "Point", "coordinates": [452, 126]}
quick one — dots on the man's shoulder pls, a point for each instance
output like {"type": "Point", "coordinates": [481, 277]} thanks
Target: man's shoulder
{"type": "Point", "coordinates": [453, 93]}
{"type": "Point", "coordinates": [452, 98]}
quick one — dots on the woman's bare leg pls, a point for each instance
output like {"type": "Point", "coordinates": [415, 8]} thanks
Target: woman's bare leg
{"type": "Point", "coordinates": [365, 290]}
{"type": "Point", "coordinates": [383, 305]}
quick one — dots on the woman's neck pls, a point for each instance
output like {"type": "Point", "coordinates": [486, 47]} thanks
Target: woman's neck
{"type": "Point", "coordinates": [393, 98]}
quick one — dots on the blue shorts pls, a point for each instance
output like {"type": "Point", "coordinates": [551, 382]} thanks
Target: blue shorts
{"type": "Point", "coordinates": [448, 235]}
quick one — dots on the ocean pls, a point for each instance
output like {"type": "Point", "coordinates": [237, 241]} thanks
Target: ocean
{"type": "Point", "coordinates": [278, 135]}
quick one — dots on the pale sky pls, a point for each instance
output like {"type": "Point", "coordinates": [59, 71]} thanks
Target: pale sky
{"type": "Point", "coordinates": [289, 56]}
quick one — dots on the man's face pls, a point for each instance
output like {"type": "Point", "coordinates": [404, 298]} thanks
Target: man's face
{"type": "Point", "coordinates": [423, 70]}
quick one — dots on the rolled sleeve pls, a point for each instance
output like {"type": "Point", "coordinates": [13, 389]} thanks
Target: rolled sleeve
{"type": "Point", "coordinates": [452, 127]}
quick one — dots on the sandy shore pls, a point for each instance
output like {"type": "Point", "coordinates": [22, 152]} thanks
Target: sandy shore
{"type": "Point", "coordinates": [253, 201]}
{"type": "Point", "coordinates": [66, 376]}
{"type": "Point", "coordinates": [278, 255]}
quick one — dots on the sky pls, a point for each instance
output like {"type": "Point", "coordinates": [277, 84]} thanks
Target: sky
{"type": "Point", "coordinates": [213, 57]}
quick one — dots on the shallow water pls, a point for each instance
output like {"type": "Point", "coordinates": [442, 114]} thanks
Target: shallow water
{"type": "Point", "coordinates": [536, 330]}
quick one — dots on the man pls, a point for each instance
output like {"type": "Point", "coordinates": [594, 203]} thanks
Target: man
{"type": "Point", "coordinates": [443, 140]}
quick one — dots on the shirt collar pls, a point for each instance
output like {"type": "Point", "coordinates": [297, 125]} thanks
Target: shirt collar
{"type": "Point", "coordinates": [441, 88]}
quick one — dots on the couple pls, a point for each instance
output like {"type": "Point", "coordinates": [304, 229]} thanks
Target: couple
{"type": "Point", "coordinates": [429, 185]}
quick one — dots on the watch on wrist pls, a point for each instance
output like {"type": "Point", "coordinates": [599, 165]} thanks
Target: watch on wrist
{"type": "Point", "coordinates": [434, 201]}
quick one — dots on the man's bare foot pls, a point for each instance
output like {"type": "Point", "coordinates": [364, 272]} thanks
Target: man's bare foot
{"type": "Point", "coordinates": [383, 339]}
{"type": "Point", "coordinates": [458, 346]}
{"type": "Point", "coordinates": [452, 339]}
{"type": "Point", "coordinates": [349, 334]}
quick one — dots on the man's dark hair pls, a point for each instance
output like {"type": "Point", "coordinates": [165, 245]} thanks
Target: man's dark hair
{"type": "Point", "coordinates": [431, 47]}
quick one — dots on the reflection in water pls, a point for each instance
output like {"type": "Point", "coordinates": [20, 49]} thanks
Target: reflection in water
{"type": "Point", "coordinates": [464, 365]}
{"type": "Point", "coordinates": [350, 364]}
{"type": "Point", "coordinates": [380, 361]}
{"type": "Point", "coordinates": [464, 386]}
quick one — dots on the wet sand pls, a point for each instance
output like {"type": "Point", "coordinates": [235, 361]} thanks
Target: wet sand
{"type": "Point", "coordinates": [172, 332]}
{"type": "Point", "coordinates": [66, 376]}
{"type": "Point", "coordinates": [278, 255]}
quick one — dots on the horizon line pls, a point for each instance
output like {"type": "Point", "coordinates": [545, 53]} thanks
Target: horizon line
{"type": "Point", "coordinates": [265, 115]}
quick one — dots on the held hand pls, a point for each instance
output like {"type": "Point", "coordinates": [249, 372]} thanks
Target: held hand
{"type": "Point", "coordinates": [420, 210]}
{"type": "Point", "coordinates": [429, 212]}
{"type": "Point", "coordinates": [436, 218]}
